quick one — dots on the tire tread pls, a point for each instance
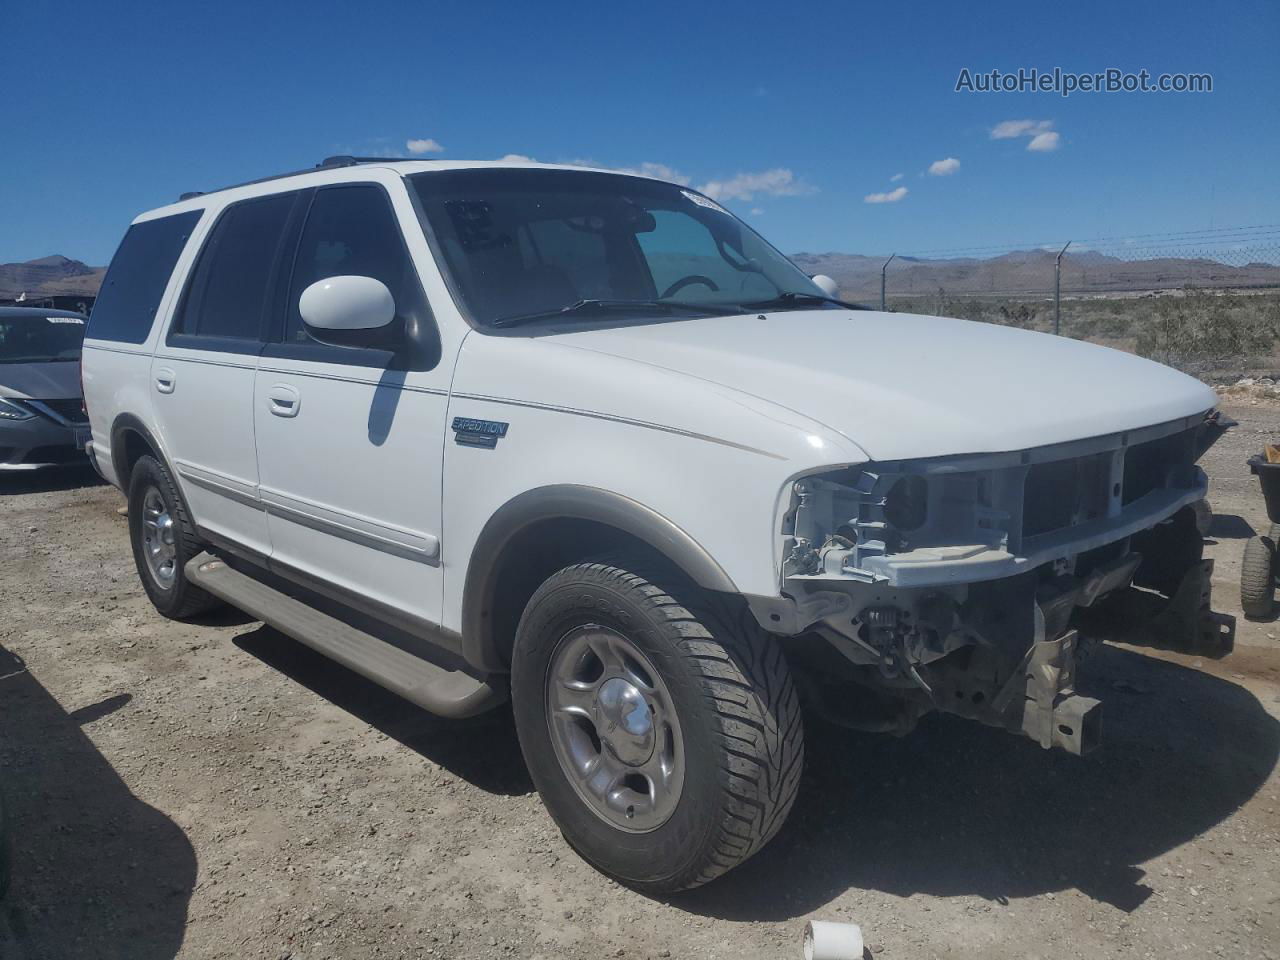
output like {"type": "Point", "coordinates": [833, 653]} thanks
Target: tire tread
{"type": "Point", "coordinates": [747, 683]}
{"type": "Point", "coordinates": [195, 601]}
{"type": "Point", "coordinates": [1257, 578]}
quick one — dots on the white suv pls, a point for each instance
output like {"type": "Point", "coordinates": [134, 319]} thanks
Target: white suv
{"type": "Point", "coordinates": [586, 439]}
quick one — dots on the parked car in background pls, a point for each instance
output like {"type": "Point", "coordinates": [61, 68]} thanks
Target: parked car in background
{"type": "Point", "coordinates": [42, 418]}
{"type": "Point", "coordinates": [586, 438]}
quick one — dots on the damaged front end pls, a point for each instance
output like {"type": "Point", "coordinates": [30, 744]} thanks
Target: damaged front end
{"type": "Point", "coordinates": [960, 584]}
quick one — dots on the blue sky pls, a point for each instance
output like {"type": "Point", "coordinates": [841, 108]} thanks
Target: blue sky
{"type": "Point", "coordinates": [792, 114]}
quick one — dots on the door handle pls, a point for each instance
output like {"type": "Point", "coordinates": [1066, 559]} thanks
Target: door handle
{"type": "Point", "coordinates": [166, 380]}
{"type": "Point", "coordinates": [284, 400]}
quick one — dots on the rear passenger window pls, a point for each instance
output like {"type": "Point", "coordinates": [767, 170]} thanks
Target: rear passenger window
{"type": "Point", "coordinates": [351, 231]}
{"type": "Point", "coordinates": [229, 289]}
{"type": "Point", "coordinates": [136, 280]}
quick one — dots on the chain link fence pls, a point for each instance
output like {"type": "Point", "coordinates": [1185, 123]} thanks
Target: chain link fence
{"type": "Point", "coordinates": [1206, 301]}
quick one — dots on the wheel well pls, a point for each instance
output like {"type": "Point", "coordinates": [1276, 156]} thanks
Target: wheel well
{"type": "Point", "coordinates": [130, 446]}
{"type": "Point", "coordinates": [538, 551]}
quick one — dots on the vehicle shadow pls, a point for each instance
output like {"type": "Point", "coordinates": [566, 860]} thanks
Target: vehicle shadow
{"type": "Point", "coordinates": [97, 873]}
{"type": "Point", "coordinates": [959, 809]}
{"type": "Point", "coordinates": [483, 751]}
{"type": "Point", "coordinates": [48, 479]}
{"type": "Point", "coordinates": [1229, 526]}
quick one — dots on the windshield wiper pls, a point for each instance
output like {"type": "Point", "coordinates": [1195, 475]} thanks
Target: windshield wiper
{"type": "Point", "coordinates": [585, 306]}
{"type": "Point", "coordinates": [791, 297]}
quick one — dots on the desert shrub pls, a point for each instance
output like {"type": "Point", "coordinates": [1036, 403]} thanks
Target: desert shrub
{"type": "Point", "coordinates": [1016, 315]}
{"type": "Point", "coordinates": [943, 304]}
{"type": "Point", "coordinates": [1098, 319]}
{"type": "Point", "coordinates": [1195, 329]}
{"type": "Point", "coordinates": [1199, 330]}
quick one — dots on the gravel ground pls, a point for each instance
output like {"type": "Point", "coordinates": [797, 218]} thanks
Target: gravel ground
{"type": "Point", "coordinates": [217, 790]}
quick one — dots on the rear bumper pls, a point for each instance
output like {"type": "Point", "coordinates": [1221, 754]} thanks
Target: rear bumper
{"type": "Point", "coordinates": [93, 461]}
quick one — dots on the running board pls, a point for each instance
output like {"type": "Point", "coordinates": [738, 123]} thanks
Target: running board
{"type": "Point", "coordinates": [449, 693]}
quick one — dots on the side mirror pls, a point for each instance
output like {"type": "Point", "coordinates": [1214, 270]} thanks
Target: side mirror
{"type": "Point", "coordinates": [825, 284]}
{"type": "Point", "coordinates": [346, 303]}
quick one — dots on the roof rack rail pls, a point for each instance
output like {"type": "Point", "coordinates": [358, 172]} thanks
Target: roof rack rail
{"type": "Point", "coordinates": [342, 160]}
{"type": "Point", "coordinates": [328, 163]}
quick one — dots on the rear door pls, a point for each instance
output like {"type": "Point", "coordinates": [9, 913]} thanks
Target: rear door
{"type": "Point", "coordinates": [350, 438]}
{"type": "Point", "coordinates": [202, 374]}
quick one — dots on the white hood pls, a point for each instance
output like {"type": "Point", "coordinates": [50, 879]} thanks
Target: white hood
{"type": "Point", "coordinates": [902, 386]}
{"type": "Point", "coordinates": [40, 381]}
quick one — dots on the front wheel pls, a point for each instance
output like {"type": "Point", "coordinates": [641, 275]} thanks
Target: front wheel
{"type": "Point", "coordinates": [659, 724]}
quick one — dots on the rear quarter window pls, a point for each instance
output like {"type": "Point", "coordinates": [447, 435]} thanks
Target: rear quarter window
{"type": "Point", "coordinates": [139, 272]}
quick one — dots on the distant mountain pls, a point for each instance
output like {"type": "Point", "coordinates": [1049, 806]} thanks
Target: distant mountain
{"type": "Point", "coordinates": [49, 276]}
{"type": "Point", "coordinates": [1030, 272]}
{"type": "Point", "coordinates": [1027, 272]}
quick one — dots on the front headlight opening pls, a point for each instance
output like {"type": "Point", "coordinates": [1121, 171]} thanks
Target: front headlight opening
{"type": "Point", "coordinates": [906, 507]}
{"type": "Point", "coordinates": [14, 410]}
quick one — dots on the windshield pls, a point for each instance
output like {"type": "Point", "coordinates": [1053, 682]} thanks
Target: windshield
{"type": "Point", "coordinates": [523, 243]}
{"type": "Point", "coordinates": [40, 339]}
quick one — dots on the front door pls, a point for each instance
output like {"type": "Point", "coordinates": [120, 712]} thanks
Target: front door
{"type": "Point", "coordinates": [350, 438]}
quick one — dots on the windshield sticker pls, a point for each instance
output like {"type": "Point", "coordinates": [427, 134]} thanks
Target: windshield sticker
{"type": "Point", "coordinates": [702, 201]}
{"type": "Point", "coordinates": [75, 320]}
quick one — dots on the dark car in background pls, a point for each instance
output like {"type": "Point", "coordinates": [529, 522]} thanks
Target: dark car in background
{"type": "Point", "coordinates": [42, 418]}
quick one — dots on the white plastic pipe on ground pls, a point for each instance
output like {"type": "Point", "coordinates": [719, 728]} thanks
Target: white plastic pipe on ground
{"type": "Point", "coordinates": [832, 941]}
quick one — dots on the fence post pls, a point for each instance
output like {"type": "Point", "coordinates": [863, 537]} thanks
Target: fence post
{"type": "Point", "coordinates": [1057, 290]}
{"type": "Point", "coordinates": [882, 270]}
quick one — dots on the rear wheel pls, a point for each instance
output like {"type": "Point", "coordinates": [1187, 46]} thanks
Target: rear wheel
{"type": "Point", "coordinates": [1257, 578]}
{"type": "Point", "coordinates": [659, 723]}
{"type": "Point", "coordinates": [163, 540]}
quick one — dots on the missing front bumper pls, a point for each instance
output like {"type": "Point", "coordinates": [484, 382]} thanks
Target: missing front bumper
{"type": "Point", "coordinates": [1040, 701]}
{"type": "Point", "coordinates": [1005, 654]}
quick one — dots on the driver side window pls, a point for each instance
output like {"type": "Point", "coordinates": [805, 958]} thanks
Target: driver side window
{"type": "Point", "coordinates": [351, 230]}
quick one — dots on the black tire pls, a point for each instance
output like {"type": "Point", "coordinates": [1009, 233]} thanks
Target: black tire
{"type": "Point", "coordinates": [177, 599]}
{"type": "Point", "coordinates": [743, 740]}
{"type": "Point", "coordinates": [1257, 578]}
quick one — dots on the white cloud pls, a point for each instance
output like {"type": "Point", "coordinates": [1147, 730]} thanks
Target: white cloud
{"type": "Point", "coordinates": [423, 146]}
{"type": "Point", "coordinates": [1042, 137]}
{"type": "Point", "coordinates": [778, 182]}
{"type": "Point", "coordinates": [895, 178]}
{"type": "Point", "coordinates": [1045, 142]}
{"type": "Point", "coordinates": [1009, 129]}
{"type": "Point", "coordinates": [659, 171]}
{"type": "Point", "coordinates": [517, 158]}
{"type": "Point", "coordinates": [756, 211]}
{"type": "Point", "coordinates": [944, 168]}
{"type": "Point", "coordinates": [893, 196]}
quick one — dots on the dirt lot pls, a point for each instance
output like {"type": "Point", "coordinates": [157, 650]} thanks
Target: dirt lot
{"type": "Point", "coordinates": [217, 790]}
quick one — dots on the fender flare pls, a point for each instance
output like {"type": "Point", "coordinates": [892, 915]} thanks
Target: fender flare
{"type": "Point", "coordinates": [129, 422]}
{"type": "Point", "coordinates": [572, 502]}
